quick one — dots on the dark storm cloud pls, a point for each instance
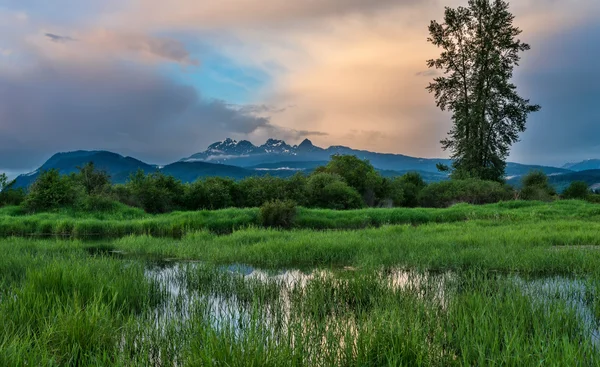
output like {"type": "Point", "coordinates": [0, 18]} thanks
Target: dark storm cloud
{"type": "Point", "coordinates": [59, 107]}
{"type": "Point", "coordinates": [563, 77]}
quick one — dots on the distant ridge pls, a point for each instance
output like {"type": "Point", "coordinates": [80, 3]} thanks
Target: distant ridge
{"type": "Point", "coordinates": [240, 159]}
{"type": "Point", "coordinates": [246, 154]}
{"type": "Point", "coordinates": [586, 165]}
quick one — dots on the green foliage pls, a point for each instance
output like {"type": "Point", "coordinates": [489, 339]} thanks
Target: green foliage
{"type": "Point", "coordinates": [480, 49]}
{"type": "Point", "coordinates": [50, 191]}
{"type": "Point", "coordinates": [297, 189]}
{"type": "Point", "coordinates": [94, 181]}
{"type": "Point", "coordinates": [155, 192]}
{"type": "Point", "coordinates": [411, 185]}
{"type": "Point", "coordinates": [326, 190]}
{"type": "Point", "coordinates": [252, 192]}
{"type": "Point", "coordinates": [473, 191]}
{"type": "Point", "coordinates": [8, 194]}
{"type": "Point", "coordinates": [392, 190]}
{"type": "Point", "coordinates": [218, 192]}
{"type": "Point", "coordinates": [535, 186]}
{"type": "Point", "coordinates": [278, 214]}
{"type": "Point", "coordinates": [358, 174]}
{"type": "Point", "coordinates": [577, 190]}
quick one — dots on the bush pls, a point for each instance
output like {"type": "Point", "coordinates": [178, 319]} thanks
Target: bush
{"type": "Point", "coordinates": [8, 194]}
{"type": "Point", "coordinates": [473, 191]}
{"type": "Point", "coordinates": [577, 190]}
{"type": "Point", "coordinates": [252, 192]}
{"type": "Point", "coordinates": [395, 191]}
{"type": "Point", "coordinates": [155, 192]}
{"type": "Point", "coordinates": [52, 191]}
{"type": "Point", "coordinates": [535, 186]}
{"type": "Point", "coordinates": [411, 185]}
{"type": "Point", "coordinates": [219, 192]}
{"type": "Point", "coordinates": [278, 214]}
{"type": "Point", "coordinates": [94, 181]}
{"type": "Point", "coordinates": [329, 191]}
{"type": "Point", "coordinates": [358, 174]}
{"type": "Point", "coordinates": [297, 189]}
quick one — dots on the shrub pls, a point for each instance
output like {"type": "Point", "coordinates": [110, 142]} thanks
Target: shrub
{"type": "Point", "coordinates": [329, 191]}
{"type": "Point", "coordinates": [253, 191]}
{"type": "Point", "coordinates": [8, 194]}
{"type": "Point", "coordinates": [196, 196]}
{"type": "Point", "coordinates": [472, 191]}
{"type": "Point", "coordinates": [94, 181]}
{"type": "Point", "coordinates": [51, 191]}
{"type": "Point", "coordinates": [535, 186]}
{"type": "Point", "coordinates": [411, 184]}
{"type": "Point", "coordinates": [278, 214]}
{"type": "Point", "coordinates": [358, 174]}
{"type": "Point", "coordinates": [155, 192]}
{"type": "Point", "coordinates": [296, 189]}
{"type": "Point", "coordinates": [219, 192]}
{"type": "Point", "coordinates": [577, 190]}
{"type": "Point", "coordinates": [395, 191]}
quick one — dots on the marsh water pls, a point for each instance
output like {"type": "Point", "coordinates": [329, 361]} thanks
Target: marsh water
{"type": "Point", "coordinates": [233, 298]}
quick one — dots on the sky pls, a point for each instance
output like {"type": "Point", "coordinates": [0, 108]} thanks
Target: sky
{"type": "Point", "coordinates": [161, 80]}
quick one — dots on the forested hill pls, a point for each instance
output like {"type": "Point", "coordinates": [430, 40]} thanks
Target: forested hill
{"type": "Point", "coordinates": [242, 159]}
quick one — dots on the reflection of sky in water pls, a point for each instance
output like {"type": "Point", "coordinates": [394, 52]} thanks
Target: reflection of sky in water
{"type": "Point", "coordinates": [573, 292]}
{"type": "Point", "coordinates": [227, 312]}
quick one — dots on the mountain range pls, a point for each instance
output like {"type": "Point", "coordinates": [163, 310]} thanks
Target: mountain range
{"type": "Point", "coordinates": [239, 159]}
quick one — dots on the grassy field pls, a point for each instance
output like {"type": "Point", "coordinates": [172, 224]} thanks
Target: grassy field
{"type": "Point", "coordinates": [506, 284]}
{"type": "Point", "coordinates": [130, 221]}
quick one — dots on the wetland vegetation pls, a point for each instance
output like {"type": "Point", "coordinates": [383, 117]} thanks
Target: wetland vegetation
{"type": "Point", "coordinates": [512, 284]}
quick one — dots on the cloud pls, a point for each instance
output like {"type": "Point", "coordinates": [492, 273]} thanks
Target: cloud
{"type": "Point", "coordinates": [227, 14]}
{"type": "Point", "coordinates": [132, 110]}
{"type": "Point", "coordinates": [99, 44]}
{"type": "Point", "coordinates": [353, 70]}
{"type": "Point", "coordinates": [59, 39]}
{"type": "Point", "coordinates": [567, 88]}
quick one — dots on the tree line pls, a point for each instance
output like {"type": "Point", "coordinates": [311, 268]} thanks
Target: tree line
{"type": "Point", "coordinates": [345, 183]}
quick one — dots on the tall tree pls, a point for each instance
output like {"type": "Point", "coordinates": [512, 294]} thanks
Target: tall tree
{"type": "Point", "coordinates": [480, 50]}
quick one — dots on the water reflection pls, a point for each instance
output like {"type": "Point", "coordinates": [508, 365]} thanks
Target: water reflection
{"type": "Point", "coordinates": [234, 298]}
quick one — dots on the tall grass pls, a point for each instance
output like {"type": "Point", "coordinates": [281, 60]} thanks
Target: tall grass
{"type": "Point", "coordinates": [128, 221]}
{"type": "Point", "coordinates": [461, 288]}
{"type": "Point", "coordinates": [70, 308]}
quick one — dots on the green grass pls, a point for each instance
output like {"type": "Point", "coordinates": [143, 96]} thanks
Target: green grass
{"type": "Point", "coordinates": [128, 221]}
{"type": "Point", "coordinates": [61, 306]}
{"type": "Point", "coordinates": [471, 289]}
